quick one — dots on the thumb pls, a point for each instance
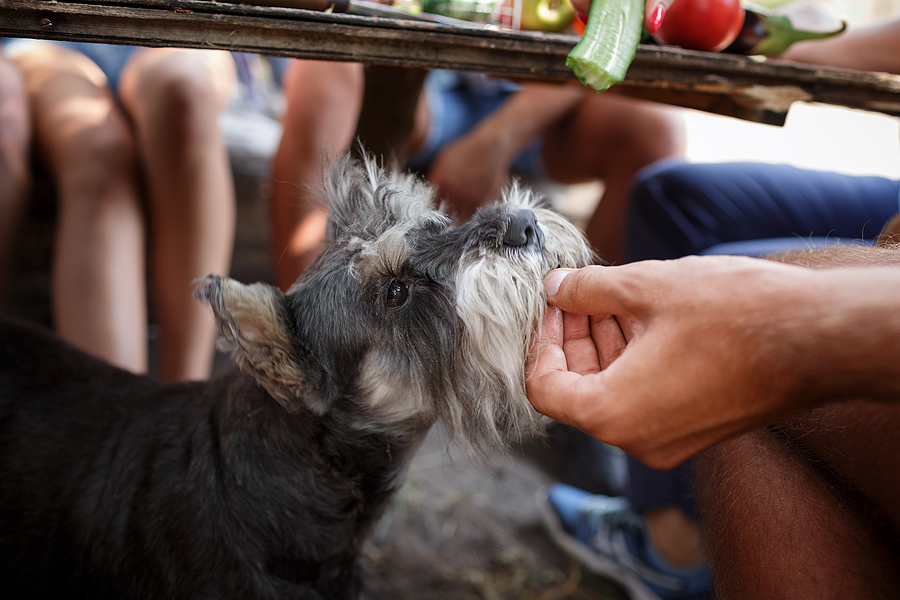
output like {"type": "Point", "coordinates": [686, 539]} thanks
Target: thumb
{"type": "Point", "coordinates": [592, 290]}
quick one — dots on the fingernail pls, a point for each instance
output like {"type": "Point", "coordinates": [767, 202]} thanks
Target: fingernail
{"type": "Point", "coordinates": [656, 18]}
{"type": "Point", "coordinates": [553, 281]}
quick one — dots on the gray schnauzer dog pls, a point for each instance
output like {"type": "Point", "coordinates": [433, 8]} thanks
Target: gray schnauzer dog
{"type": "Point", "coordinates": [264, 482]}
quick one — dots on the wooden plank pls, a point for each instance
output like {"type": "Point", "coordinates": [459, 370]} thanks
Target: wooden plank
{"type": "Point", "coordinates": [759, 90]}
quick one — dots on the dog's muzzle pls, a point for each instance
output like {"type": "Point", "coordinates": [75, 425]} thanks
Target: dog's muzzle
{"type": "Point", "coordinates": [523, 231]}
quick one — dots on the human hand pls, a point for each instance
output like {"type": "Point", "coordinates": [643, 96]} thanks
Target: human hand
{"type": "Point", "coordinates": [470, 171]}
{"type": "Point", "coordinates": [654, 11]}
{"type": "Point", "coordinates": [677, 355]}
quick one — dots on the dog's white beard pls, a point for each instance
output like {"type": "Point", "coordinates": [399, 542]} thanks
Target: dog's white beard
{"type": "Point", "coordinates": [500, 302]}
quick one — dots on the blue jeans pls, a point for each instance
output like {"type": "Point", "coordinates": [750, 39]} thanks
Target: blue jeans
{"type": "Point", "coordinates": [679, 209]}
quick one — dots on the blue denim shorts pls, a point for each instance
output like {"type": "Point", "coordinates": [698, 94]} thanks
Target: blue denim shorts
{"type": "Point", "coordinates": [456, 103]}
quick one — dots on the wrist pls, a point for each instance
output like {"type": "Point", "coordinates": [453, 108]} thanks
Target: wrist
{"type": "Point", "coordinates": [502, 142]}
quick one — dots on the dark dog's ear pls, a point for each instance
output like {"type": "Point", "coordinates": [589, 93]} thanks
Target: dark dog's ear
{"type": "Point", "coordinates": [253, 327]}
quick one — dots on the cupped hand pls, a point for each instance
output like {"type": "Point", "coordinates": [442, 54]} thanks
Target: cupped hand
{"type": "Point", "coordinates": [663, 359]}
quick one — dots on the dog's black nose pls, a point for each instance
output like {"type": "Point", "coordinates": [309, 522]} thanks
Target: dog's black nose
{"type": "Point", "coordinates": [522, 230]}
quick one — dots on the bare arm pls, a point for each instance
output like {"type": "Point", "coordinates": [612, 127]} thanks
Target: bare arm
{"type": "Point", "coordinates": [528, 113]}
{"type": "Point", "coordinates": [704, 348]}
{"type": "Point", "coordinates": [871, 48]}
{"type": "Point", "coordinates": [472, 169]}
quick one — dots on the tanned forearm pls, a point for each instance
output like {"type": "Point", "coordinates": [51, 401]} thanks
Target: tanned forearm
{"type": "Point", "coordinates": [871, 48]}
{"type": "Point", "coordinates": [527, 113]}
{"type": "Point", "coordinates": [854, 339]}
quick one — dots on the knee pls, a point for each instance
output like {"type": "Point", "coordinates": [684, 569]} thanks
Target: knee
{"type": "Point", "coordinates": [313, 85]}
{"type": "Point", "coordinates": [179, 99]}
{"type": "Point", "coordinates": [323, 104]}
{"type": "Point", "coordinates": [95, 160]}
{"type": "Point", "coordinates": [657, 179]}
{"type": "Point", "coordinates": [658, 134]}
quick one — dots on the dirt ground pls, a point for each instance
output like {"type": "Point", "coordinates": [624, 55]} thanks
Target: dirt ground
{"type": "Point", "coordinates": [462, 529]}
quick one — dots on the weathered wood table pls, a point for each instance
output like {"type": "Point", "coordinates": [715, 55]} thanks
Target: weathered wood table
{"type": "Point", "coordinates": [403, 49]}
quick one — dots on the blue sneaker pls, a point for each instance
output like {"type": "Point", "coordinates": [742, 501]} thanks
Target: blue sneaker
{"type": "Point", "coordinates": [608, 538]}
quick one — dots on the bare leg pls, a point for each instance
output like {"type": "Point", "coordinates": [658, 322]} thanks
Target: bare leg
{"type": "Point", "coordinates": [610, 138]}
{"type": "Point", "coordinates": [15, 138]}
{"type": "Point", "coordinates": [99, 294]}
{"type": "Point", "coordinates": [323, 105]}
{"type": "Point", "coordinates": [675, 535]}
{"type": "Point", "coordinates": [807, 509]}
{"type": "Point", "coordinates": [174, 98]}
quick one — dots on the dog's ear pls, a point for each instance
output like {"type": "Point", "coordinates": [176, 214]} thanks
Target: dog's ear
{"type": "Point", "coordinates": [253, 326]}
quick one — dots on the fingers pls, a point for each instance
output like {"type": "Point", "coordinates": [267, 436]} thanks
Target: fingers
{"type": "Point", "coordinates": [553, 394]}
{"type": "Point", "coordinates": [595, 290]}
{"type": "Point", "coordinates": [654, 13]}
{"type": "Point", "coordinates": [587, 344]}
{"type": "Point", "coordinates": [592, 337]}
{"type": "Point", "coordinates": [548, 381]}
{"type": "Point", "coordinates": [608, 339]}
{"type": "Point", "coordinates": [578, 345]}
{"type": "Point", "coordinates": [547, 353]}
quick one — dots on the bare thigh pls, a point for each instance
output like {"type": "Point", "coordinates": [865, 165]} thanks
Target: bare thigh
{"type": "Point", "coordinates": [607, 133]}
{"type": "Point", "coordinates": [156, 73]}
{"type": "Point", "coordinates": [72, 105]}
{"type": "Point", "coordinates": [807, 508]}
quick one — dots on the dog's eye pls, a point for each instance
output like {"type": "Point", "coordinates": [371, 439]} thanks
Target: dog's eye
{"type": "Point", "coordinates": [397, 294]}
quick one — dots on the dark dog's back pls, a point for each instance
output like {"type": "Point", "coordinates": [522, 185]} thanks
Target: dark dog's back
{"type": "Point", "coordinates": [73, 455]}
{"type": "Point", "coordinates": [116, 486]}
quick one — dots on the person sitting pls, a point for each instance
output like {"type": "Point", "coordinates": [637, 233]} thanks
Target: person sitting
{"type": "Point", "coordinates": [146, 119]}
{"type": "Point", "coordinates": [751, 209]}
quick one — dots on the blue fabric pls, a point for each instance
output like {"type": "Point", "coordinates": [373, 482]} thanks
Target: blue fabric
{"type": "Point", "coordinates": [757, 248]}
{"type": "Point", "coordinates": [456, 103]}
{"type": "Point", "coordinates": [679, 209]}
{"type": "Point", "coordinates": [110, 58]}
{"type": "Point", "coordinates": [649, 489]}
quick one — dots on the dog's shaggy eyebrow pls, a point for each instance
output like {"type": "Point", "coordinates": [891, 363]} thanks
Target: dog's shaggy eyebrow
{"type": "Point", "coordinates": [386, 254]}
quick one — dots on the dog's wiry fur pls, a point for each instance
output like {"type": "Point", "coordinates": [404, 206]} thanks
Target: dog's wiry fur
{"type": "Point", "coordinates": [264, 482]}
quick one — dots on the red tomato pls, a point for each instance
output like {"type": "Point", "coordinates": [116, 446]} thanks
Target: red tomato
{"type": "Point", "coordinates": [709, 25]}
{"type": "Point", "coordinates": [578, 24]}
